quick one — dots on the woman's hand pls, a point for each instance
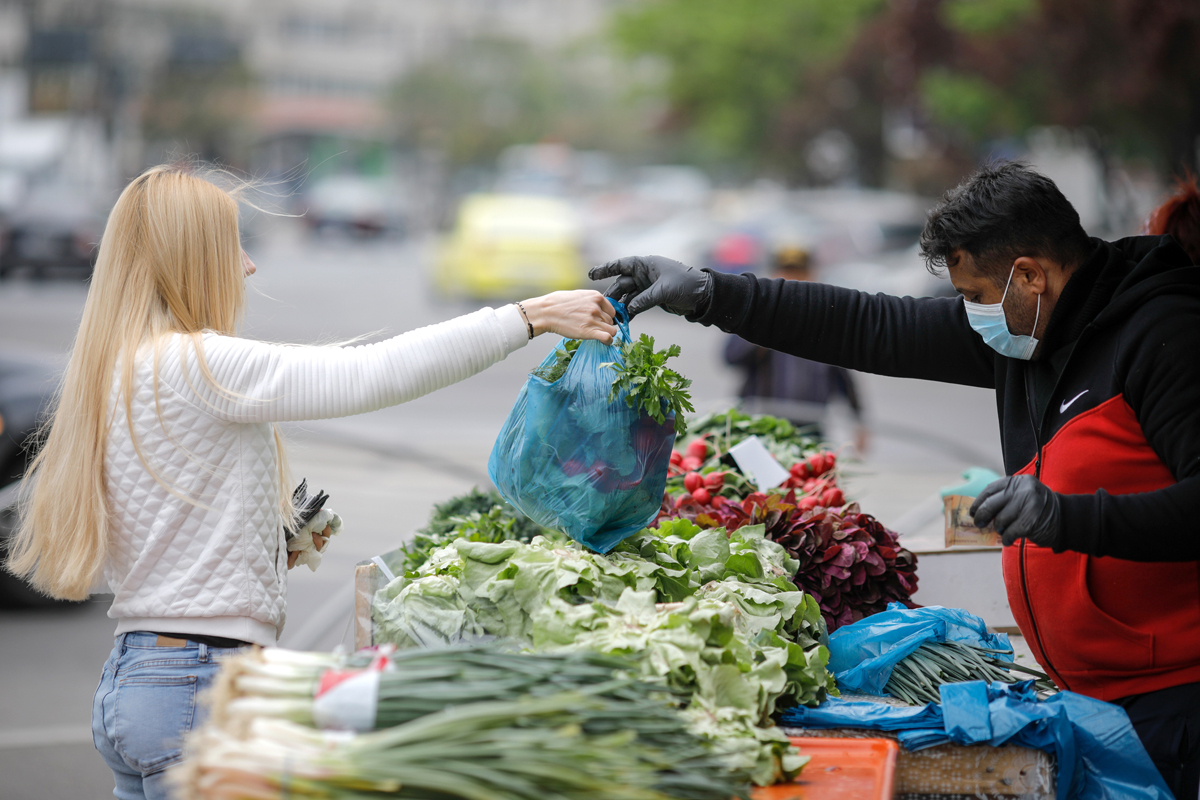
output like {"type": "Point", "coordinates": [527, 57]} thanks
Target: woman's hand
{"type": "Point", "coordinates": [319, 540]}
{"type": "Point", "coordinates": [581, 314]}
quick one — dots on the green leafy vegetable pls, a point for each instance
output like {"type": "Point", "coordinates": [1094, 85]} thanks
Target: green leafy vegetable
{"type": "Point", "coordinates": [476, 516]}
{"type": "Point", "coordinates": [781, 438]}
{"type": "Point", "coordinates": [649, 384]}
{"type": "Point", "coordinates": [916, 679]}
{"type": "Point", "coordinates": [712, 615]}
{"type": "Point", "coordinates": [562, 359]}
{"type": "Point", "coordinates": [567, 745]}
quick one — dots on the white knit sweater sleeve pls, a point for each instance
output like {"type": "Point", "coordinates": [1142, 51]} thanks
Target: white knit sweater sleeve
{"type": "Point", "coordinates": [262, 382]}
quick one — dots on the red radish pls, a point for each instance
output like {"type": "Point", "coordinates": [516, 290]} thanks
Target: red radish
{"type": "Point", "coordinates": [800, 470]}
{"type": "Point", "coordinates": [701, 496]}
{"type": "Point", "coordinates": [807, 503]}
{"type": "Point", "coordinates": [691, 463]}
{"type": "Point", "coordinates": [816, 464]}
{"type": "Point", "coordinates": [693, 481]}
{"type": "Point", "coordinates": [832, 498]}
{"type": "Point", "coordinates": [676, 457]}
{"type": "Point", "coordinates": [830, 461]}
{"type": "Point", "coordinates": [718, 500]}
{"type": "Point", "coordinates": [714, 480]}
{"type": "Point", "coordinates": [683, 498]}
{"type": "Point", "coordinates": [698, 448]}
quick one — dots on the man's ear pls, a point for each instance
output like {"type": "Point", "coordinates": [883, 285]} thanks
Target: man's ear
{"type": "Point", "coordinates": [1030, 273]}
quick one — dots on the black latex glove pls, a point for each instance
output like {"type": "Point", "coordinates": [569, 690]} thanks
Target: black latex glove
{"type": "Point", "coordinates": [1021, 506]}
{"type": "Point", "coordinates": [644, 282]}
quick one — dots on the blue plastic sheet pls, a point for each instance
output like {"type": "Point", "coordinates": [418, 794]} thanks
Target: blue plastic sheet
{"type": "Point", "coordinates": [571, 459]}
{"type": "Point", "coordinates": [1098, 753]}
{"type": "Point", "coordinates": [863, 654]}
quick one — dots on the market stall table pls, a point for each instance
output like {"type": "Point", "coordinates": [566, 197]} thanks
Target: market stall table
{"type": "Point", "coordinates": [937, 773]}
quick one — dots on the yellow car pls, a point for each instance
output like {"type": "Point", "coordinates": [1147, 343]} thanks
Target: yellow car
{"type": "Point", "coordinates": [504, 246]}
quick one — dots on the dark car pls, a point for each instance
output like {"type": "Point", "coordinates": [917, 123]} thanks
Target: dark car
{"type": "Point", "coordinates": [27, 385]}
{"type": "Point", "coordinates": [55, 227]}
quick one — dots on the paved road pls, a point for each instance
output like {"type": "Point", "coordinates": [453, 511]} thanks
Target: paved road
{"type": "Point", "coordinates": [384, 470]}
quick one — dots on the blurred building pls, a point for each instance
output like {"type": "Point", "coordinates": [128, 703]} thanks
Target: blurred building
{"type": "Point", "coordinates": [308, 67]}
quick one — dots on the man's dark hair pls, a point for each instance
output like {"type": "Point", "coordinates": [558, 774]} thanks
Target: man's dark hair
{"type": "Point", "coordinates": [1003, 212]}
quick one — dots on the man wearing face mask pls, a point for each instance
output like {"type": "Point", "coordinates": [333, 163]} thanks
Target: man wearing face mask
{"type": "Point", "coordinates": [1093, 349]}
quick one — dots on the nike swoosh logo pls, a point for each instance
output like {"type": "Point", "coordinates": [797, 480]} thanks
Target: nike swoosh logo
{"type": "Point", "coordinates": [1067, 403]}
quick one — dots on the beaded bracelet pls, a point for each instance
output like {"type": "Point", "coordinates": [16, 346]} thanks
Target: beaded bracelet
{"type": "Point", "coordinates": [527, 322]}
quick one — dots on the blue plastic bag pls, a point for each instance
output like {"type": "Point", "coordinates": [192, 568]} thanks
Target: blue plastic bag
{"type": "Point", "coordinates": [1098, 753]}
{"type": "Point", "coordinates": [572, 460]}
{"type": "Point", "coordinates": [862, 655]}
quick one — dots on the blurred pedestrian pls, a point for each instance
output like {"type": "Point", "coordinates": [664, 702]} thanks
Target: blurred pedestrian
{"type": "Point", "coordinates": [783, 385]}
{"type": "Point", "coordinates": [1179, 217]}
{"type": "Point", "coordinates": [163, 473]}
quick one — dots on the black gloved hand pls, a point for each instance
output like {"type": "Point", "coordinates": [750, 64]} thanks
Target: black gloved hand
{"type": "Point", "coordinates": [644, 282]}
{"type": "Point", "coordinates": [1021, 506]}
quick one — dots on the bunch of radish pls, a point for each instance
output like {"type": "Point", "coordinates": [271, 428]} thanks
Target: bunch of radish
{"type": "Point", "coordinates": [702, 489]}
{"type": "Point", "coordinates": [696, 454]}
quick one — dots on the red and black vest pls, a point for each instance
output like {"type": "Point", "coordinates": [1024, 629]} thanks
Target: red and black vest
{"type": "Point", "coordinates": [1100, 625]}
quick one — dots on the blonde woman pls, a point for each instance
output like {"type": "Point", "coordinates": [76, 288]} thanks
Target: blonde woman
{"type": "Point", "coordinates": [163, 472]}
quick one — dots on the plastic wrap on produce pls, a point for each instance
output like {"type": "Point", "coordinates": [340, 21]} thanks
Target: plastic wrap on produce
{"type": "Point", "coordinates": [862, 655]}
{"type": "Point", "coordinates": [573, 460]}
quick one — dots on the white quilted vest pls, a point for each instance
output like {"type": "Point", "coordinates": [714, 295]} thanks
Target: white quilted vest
{"type": "Point", "coordinates": [214, 563]}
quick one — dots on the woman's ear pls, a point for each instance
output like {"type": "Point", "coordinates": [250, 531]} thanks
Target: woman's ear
{"type": "Point", "coordinates": [1031, 273]}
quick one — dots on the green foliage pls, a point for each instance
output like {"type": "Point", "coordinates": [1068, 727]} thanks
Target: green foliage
{"type": "Point", "coordinates": [970, 105]}
{"type": "Point", "coordinates": [986, 16]}
{"type": "Point", "coordinates": [562, 359]}
{"type": "Point", "coordinates": [712, 615]}
{"type": "Point", "coordinates": [733, 64]}
{"type": "Point", "coordinates": [486, 94]}
{"type": "Point", "coordinates": [780, 437]}
{"type": "Point", "coordinates": [475, 516]}
{"type": "Point", "coordinates": [650, 385]}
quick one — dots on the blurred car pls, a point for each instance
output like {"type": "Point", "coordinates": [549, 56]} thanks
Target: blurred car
{"type": "Point", "coordinates": [27, 386]}
{"type": "Point", "coordinates": [56, 182]}
{"type": "Point", "coordinates": [355, 204]}
{"type": "Point", "coordinates": [508, 245]}
{"type": "Point", "coordinates": [56, 225]}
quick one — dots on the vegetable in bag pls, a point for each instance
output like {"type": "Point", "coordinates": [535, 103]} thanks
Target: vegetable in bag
{"type": "Point", "coordinates": [575, 456]}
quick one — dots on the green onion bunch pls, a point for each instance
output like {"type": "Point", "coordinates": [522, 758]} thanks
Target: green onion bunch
{"type": "Point", "coordinates": [916, 679]}
{"type": "Point", "coordinates": [470, 721]}
{"type": "Point", "coordinates": [566, 745]}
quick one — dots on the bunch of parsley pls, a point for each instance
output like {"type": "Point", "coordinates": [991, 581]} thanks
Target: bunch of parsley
{"type": "Point", "coordinates": [649, 384]}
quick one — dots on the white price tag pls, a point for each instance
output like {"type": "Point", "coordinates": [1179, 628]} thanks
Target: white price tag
{"type": "Point", "coordinates": [753, 458]}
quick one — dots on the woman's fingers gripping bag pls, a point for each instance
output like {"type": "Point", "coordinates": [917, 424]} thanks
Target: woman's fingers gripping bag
{"type": "Point", "coordinates": [571, 458]}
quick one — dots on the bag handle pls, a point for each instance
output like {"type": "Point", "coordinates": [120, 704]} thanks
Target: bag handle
{"type": "Point", "coordinates": [622, 319]}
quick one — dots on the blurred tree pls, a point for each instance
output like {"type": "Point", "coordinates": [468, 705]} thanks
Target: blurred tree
{"type": "Point", "coordinates": [1124, 68]}
{"type": "Point", "coordinates": [755, 79]}
{"type": "Point", "coordinates": [487, 94]}
{"type": "Point", "coordinates": [759, 79]}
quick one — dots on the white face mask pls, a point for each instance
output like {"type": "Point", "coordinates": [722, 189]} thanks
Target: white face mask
{"type": "Point", "coordinates": [989, 321]}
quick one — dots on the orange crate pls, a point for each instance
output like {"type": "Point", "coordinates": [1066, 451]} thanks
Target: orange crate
{"type": "Point", "coordinates": [840, 769]}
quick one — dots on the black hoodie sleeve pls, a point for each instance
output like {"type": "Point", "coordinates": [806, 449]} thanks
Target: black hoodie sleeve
{"type": "Point", "coordinates": [1162, 386]}
{"type": "Point", "coordinates": [927, 338]}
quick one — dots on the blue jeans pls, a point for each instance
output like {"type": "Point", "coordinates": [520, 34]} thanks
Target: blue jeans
{"type": "Point", "coordinates": [145, 704]}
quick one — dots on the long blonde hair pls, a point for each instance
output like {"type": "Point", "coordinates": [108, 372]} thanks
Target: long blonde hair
{"type": "Point", "coordinates": [170, 261]}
